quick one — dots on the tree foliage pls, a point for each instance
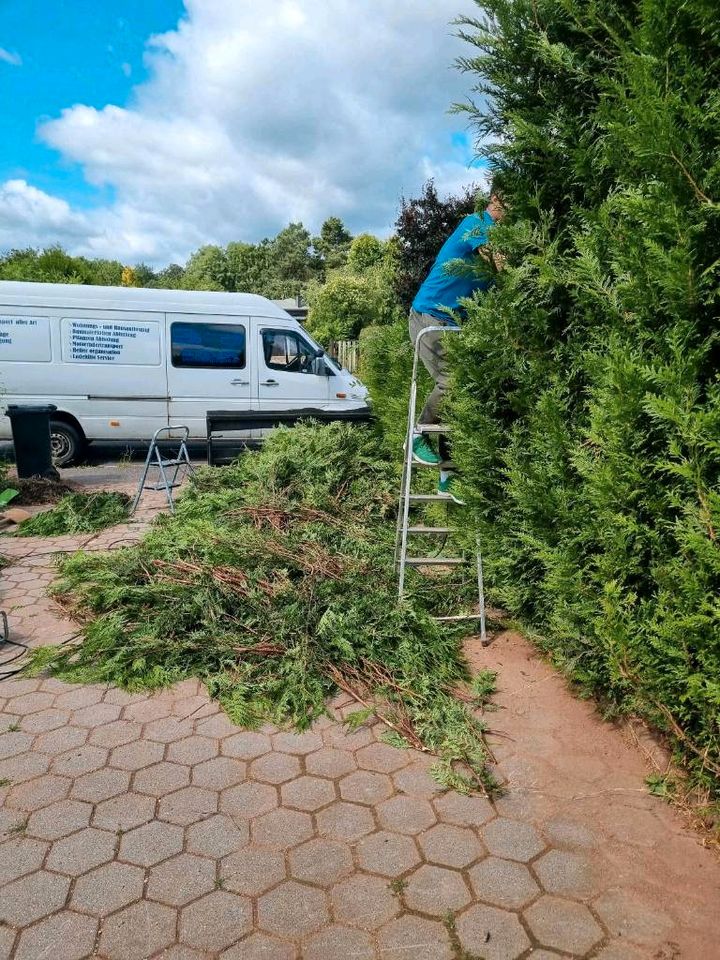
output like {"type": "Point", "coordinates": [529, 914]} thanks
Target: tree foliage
{"type": "Point", "coordinates": [586, 397]}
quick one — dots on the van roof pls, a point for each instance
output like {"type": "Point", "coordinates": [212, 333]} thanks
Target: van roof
{"type": "Point", "coordinates": [83, 296]}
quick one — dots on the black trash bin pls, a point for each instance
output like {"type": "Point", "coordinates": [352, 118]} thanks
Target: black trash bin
{"type": "Point", "coordinates": [31, 439]}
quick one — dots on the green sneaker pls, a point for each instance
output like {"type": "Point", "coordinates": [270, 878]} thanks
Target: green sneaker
{"type": "Point", "coordinates": [445, 487]}
{"type": "Point", "coordinates": [424, 453]}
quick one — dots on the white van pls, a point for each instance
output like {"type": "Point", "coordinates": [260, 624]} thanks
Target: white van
{"type": "Point", "coordinates": [120, 362]}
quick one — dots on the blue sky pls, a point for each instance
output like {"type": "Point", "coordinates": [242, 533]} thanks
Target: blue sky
{"type": "Point", "coordinates": [143, 129]}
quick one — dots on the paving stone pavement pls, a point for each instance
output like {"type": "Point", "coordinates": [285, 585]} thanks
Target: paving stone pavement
{"type": "Point", "coordinates": [137, 826]}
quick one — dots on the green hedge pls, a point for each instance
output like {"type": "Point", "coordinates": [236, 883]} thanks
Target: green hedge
{"type": "Point", "coordinates": [587, 396]}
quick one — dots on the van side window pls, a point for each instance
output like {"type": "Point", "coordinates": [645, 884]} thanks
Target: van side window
{"type": "Point", "coordinates": [285, 350]}
{"type": "Point", "coordinates": [208, 345]}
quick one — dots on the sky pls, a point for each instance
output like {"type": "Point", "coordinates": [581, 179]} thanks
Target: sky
{"type": "Point", "coordinates": [143, 129]}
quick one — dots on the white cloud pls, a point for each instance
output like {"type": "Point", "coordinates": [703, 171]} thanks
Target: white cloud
{"type": "Point", "coordinates": [7, 56]}
{"type": "Point", "coordinates": [254, 115]}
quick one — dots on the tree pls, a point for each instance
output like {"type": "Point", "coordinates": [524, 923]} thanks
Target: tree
{"type": "Point", "coordinates": [333, 243]}
{"type": "Point", "coordinates": [423, 225]}
{"type": "Point", "coordinates": [342, 307]}
{"type": "Point", "coordinates": [586, 402]}
{"type": "Point", "coordinates": [293, 261]}
{"type": "Point", "coordinates": [365, 252]}
{"type": "Point", "coordinates": [207, 269]}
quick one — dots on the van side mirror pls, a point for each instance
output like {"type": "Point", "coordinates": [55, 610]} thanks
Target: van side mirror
{"type": "Point", "coordinates": [319, 367]}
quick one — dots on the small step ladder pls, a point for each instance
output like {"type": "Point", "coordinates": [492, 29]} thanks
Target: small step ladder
{"type": "Point", "coordinates": [406, 529]}
{"type": "Point", "coordinates": [171, 472]}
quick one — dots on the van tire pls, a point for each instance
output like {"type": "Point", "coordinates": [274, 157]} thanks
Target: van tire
{"type": "Point", "coordinates": [67, 443]}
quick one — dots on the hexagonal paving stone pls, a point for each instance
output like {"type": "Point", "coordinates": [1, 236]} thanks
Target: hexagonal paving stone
{"type": "Point", "coordinates": [628, 916]}
{"type": "Point", "coordinates": [259, 946]}
{"type": "Point", "coordinates": [45, 720]}
{"type": "Point", "coordinates": [463, 811]}
{"type": "Point", "coordinates": [193, 749]}
{"type": "Point", "coordinates": [19, 856]}
{"type": "Point", "coordinates": [85, 759]}
{"type": "Point", "coordinates": [417, 781]}
{"type": "Point", "coordinates": [281, 829]}
{"type": "Point", "coordinates": [307, 793]}
{"type": "Point", "coordinates": [344, 821]}
{"type": "Point", "coordinates": [59, 819]}
{"type": "Point", "coordinates": [95, 715]}
{"type": "Point", "coordinates": [219, 725]}
{"type": "Point", "coordinates": [218, 773]}
{"type": "Point", "coordinates": [563, 924]}
{"type": "Point", "coordinates": [57, 741]}
{"type": "Point", "coordinates": [292, 910]}
{"type": "Point", "coordinates": [275, 768]}
{"type": "Point", "coordinates": [135, 756]}
{"type": "Point", "coordinates": [252, 870]}
{"type": "Point", "coordinates": [181, 879]}
{"type": "Point", "coordinates": [115, 734]}
{"type": "Point", "coordinates": [161, 779]}
{"type": "Point", "coordinates": [124, 812]}
{"type": "Point", "coordinates": [24, 766]}
{"type": "Point", "coordinates": [382, 758]}
{"type": "Point", "coordinates": [13, 743]}
{"type": "Point", "coordinates": [436, 890]}
{"type": "Point", "coordinates": [336, 941]}
{"type": "Point", "coordinates": [388, 853]}
{"type": "Point", "coordinates": [321, 861]}
{"type": "Point", "coordinates": [216, 921]}
{"type": "Point", "coordinates": [569, 833]}
{"type": "Point", "coordinates": [138, 931]}
{"type": "Point", "coordinates": [503, 883]}
{"type": "Point", "coordinates": [145, 711]}
{"type": "Point", "coordinates": [364, 901]}
{"type": "Point", "coordinates": [81, 851]}
{"type": "Point", "coordinates": [248, 800]}
{"type": "Point", "coordinates": [28, 899]}
{"type": "Point", "coordinates": [188, 805]}
{"type": "Point", "coordinates": [151, 843]}
{"type": "Point", "coordinates": [79, 697]}
{"type": "Point", "coordinates": [330, 763]}
{"type": "Point", "coordinates": [217, 836]}
{"type": "Point", "coordinates": [566, 874]}
{"type": "Point", "coordinates": [406, 814]}
{"type": "Point", "coordinates": [168, 729]}
{"type": "Point", "coordinates": [298, 743]}
{"type": "Point", "coordinates": [512, 839]}
{"type": "Point", "coordinates": [491, 933]}
{"type": "Point", "coordinates": [416, 938]}
{"type": "Point", "coordinates": [246, 745]}
{"type": "Point", "coordinates": [101, 785]}
{"type": "Point", "coordinates": [105, 890]}
{"type": "Point", "coordinates": [363, 786]}
{"type": "Point", "coordinates": [38, 793]}
{"type": "Point", "coordinates": [30, 703]}
{"type": "Point", "coordinates": [451, 846]}
{"type": "Point", "coordinates": [64, 936]}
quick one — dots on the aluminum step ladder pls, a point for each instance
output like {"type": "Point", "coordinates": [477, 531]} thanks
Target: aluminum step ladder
{"type": "Point", "coordinates": [408, 499]}
{"type": "Point", "coordinates": [170, 472]}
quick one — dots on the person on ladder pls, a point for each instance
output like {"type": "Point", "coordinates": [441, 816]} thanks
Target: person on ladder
{"type": "Point", "coordinates": [437, 303]}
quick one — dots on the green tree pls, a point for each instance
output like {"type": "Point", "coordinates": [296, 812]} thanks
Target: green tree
{"type": "Point", "coordinates": [333, 243]}
{"type": "Point", "coordinates": [365, 252]}
{"type": "Point", "coordinates": [292, 258]}
{"type": "Point", "coordinates": [207, 269]}
{"type": "Point", "coordinates": [586, 401]}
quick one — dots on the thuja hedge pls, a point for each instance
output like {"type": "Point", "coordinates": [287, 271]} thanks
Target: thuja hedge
{"type": "Point", "coordinates": [587, 399]}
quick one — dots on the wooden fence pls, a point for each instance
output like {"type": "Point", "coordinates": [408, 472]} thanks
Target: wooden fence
{"type": "Point", "coordinates": [347, 353]}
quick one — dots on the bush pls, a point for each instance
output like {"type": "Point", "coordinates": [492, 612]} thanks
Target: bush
{"type": "Point", "coordinates": [587, 399]}
{"type": "Point", "coordinates": [77, 513]}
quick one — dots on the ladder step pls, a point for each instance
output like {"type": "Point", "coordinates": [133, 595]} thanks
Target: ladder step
{"type": "Point", "coordinates": [432, 428]}
{"type": "Point", "coordinates": [457, 617]}
{"type": "Point", "coordinates": [429, 497]}
{"type": "Point", "coordinates": [436, 561]}
{"type": "Point", "coordinates": [169, 463]}
{"type": "Point", "coordinates": [432, 531]}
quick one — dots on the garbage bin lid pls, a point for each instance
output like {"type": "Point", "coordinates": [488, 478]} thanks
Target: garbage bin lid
{"type": "Point", "coordinates": [17, 408]}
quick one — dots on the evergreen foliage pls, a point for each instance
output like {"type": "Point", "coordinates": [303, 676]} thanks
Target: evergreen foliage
{"type": "Point", "coordinates": [77, 513]}
{"type": "Point", "coordinates": [587, 397]}
{"type": "Point", "coordinates": [273, 582]}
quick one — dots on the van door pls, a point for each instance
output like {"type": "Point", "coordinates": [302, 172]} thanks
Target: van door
{"type": "Point", "coordinates": [208, 367]}
{"type": "Point", "coordinates": [288, 370]}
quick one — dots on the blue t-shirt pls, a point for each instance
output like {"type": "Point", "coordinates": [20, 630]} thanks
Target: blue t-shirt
{"type": "Point", "coordinates": [443, 289]}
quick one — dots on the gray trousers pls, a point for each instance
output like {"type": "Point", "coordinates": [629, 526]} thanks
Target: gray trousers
{"type": "Point", "coordinates": [434, 358]}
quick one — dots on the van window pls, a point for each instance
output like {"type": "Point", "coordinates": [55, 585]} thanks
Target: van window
{"type": "Point", "coordinates": [208, 345]}
{"type": "Point", "coordinates": [285, 350]}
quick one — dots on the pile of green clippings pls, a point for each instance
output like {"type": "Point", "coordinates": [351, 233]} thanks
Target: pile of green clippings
{"type": "Point", "coordinates": [273, 583]}
{"type": "Point", "coordinates": [77, 513]}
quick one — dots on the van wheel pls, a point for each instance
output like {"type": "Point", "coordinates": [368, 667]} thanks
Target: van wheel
{"type": "Point", "coordinates": [66, 443]}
